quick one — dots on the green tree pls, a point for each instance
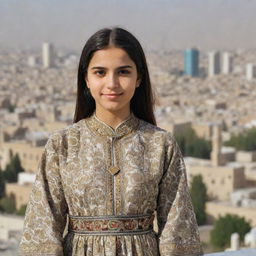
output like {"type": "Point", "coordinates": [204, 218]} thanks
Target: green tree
{"type": "Point", "coordinates": [198, 193]}
{"type": "Point", "coordinates": [17, 164]}
{"type": "Point", "coordinates": [244, 141]}
{"type": "Point", "coordinates": [224, 125]}
{"type": "Point", "coordinates": [2, 184]}
{"type": "Point", "coordinates": [7, 204]}
{"type": "Point", "coordinates": [191, 145]}
{"type": "Point", "coordinates": [10, 154]}
{"type": "Point", "coordinates": [11, 108]}
{"type": "Point", "coordinates": [12, 169]}
{"type": "Point", "coordinates": [22, 210]}
{"type": "Point", "coordinates": [225, 226]}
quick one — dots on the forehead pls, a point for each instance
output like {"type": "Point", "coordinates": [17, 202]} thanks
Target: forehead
{"type": "Point", "coordinates": [111, 56]}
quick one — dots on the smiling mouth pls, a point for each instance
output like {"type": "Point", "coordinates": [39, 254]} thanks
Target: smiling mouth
{"type": "Point", "coordinates": [112, 95]}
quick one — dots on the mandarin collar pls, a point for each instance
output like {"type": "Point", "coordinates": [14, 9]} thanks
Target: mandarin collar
{"type": "Point", "coordinates": [103, 129]}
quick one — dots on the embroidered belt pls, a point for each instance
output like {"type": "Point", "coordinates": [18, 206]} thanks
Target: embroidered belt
{"type": "Point", "coordinates": [111, 225]}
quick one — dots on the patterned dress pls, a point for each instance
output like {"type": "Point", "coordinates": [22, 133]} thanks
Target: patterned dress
{"type": "Point", "coordinates": [108, 184]}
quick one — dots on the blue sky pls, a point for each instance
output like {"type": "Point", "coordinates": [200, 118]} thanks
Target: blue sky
{"type": "Point", "coordinates": [159, 24]}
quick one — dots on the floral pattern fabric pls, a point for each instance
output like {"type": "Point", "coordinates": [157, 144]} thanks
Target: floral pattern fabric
{"type": "Point", "coordinates": [111, 224]}
{"type": "Point", "coordinates": [90, 169]}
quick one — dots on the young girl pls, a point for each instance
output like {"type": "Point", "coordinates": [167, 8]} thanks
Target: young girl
{"type": "Point", "coordinates": [113, 171]}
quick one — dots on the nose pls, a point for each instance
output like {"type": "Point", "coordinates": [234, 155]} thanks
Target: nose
{"type": "Point", "coordinates": [112, 81]}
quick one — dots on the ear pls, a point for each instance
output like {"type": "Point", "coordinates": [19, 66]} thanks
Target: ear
{"type": "Point", "coordinates": [138, 82]}
{"type": "Point", "coordinates": [86, 81]}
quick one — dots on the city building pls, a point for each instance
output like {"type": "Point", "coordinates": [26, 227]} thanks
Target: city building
{"type": "Point", "coordinates": [227, 63]}
{"type": "Point", "coordinates": [191, 62]}
{"type": "Point", "coordinates": [214, 63]}
{"type": "Point", "coordinates": [47, 55]}
{"type": "Point", "coordinates": [32, 61]}
{"type": "Point", "coordinates": [250, 71]}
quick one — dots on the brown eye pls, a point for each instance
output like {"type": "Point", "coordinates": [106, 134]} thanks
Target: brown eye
{"type": "Point", "coordinates": [100, 72]}
{"type": "Point", "coordinates": [124, 72]}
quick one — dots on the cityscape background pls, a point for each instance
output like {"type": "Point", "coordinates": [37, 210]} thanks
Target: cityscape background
{"type": "Point", "coordinates": [202, 61]}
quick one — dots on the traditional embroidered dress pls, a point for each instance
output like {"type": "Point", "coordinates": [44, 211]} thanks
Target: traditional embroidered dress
{"type": "Point", "coordinates": [108, 183]}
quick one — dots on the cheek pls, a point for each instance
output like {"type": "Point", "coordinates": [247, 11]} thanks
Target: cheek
{"type": "Point", "coordinates": [93, 83]}
{"type": "Point", "coordinates": [128, 82]}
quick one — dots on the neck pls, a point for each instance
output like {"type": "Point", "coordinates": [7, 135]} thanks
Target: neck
{"type": "Point", "coordinates": [112, 119]}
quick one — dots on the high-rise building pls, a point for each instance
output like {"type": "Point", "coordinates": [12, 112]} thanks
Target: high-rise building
{"type": "Point", "coordinates": [214, 63]}
{"type": "Point", "coordinates": [32, 61]}
{"type": "Point", "coordinates": [250, 71]}
{"type": "Point", "coordinates": [47, 55]}
{"type": "Point", "coordinates": [191, 62]}
{"type": "Point", "coordinates": [227, 63]}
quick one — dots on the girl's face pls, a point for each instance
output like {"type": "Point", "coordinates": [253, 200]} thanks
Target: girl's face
{"type": "Point", "coordinates": [112, 79]}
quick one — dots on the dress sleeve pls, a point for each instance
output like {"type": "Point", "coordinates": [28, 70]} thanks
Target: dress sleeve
{"type": "Point", "coordinates": [46, 212]}
{"type": "Point", "coordinates": [177, 227]}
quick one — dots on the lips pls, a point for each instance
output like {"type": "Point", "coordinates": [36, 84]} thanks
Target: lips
{"type": "Point", "coordinates": [112, 95]}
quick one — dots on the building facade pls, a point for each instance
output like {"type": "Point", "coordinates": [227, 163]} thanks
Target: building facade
{"type": "Point", "coordinates": [191, 62]}
{"type": "Point", "coordinates": [214, 63]}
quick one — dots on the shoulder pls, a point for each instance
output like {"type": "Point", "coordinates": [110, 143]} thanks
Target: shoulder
{"type": "Point", "coordinates": [61, 137]}
{"type": "Point", "coordinates": [154, 131]}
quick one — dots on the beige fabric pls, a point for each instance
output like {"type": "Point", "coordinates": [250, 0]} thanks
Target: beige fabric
{"type": "Point", "coordinates": [76, 177]}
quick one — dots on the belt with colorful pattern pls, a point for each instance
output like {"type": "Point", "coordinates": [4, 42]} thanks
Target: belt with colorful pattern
{"type": "Point", "coordinates": [111, 225]}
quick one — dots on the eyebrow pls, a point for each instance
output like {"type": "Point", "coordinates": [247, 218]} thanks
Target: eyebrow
{"type": "Point", "coordinates": [126, 66]}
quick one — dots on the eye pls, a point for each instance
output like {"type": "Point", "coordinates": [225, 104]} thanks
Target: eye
{"type": "Point", "coordinates": [124, 71]}
{"type": "Point", "coordinates": [100, 72]}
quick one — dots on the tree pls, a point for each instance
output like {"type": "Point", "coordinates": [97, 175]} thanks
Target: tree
{"type": "Point", "coordinates": [224, 126]}
{"type": "Point", "coordinates": [22, 210]}
{"type": "Point", "coordinates": [245, 141]}
{"type": "Point", "coordinates": [2, 184]}
{"type": "Point", "coordinates": [225, 226]}
{"type": "Point", "coordinates": [191, 145]}
{"type": "Point", "coordinates": [7, 204]}
{"type": "Point", "coordinates": [17, 164]}
{"type": "Point", "coordinates": [11, 108]}
{"type": "Point", "coordinates": [198, 193]}
{"type": "Point", "coordinates": [12, 169]}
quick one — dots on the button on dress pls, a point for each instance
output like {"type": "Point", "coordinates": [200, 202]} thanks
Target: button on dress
{"type": "Point", "coordinates": [89, 169]}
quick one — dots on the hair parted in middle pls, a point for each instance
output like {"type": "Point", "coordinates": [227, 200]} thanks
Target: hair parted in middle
{"type": "Point", "coordinates": [142, 102]}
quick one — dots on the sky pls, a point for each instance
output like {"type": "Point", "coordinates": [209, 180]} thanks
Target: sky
{"type": "Point", "coordinates": [158, 24]}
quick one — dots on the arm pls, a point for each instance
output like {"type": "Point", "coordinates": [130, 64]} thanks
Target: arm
{"type": "Point", "coordinates": [178, 232]}
{"type": "Point", "coordinates": [45, 218]}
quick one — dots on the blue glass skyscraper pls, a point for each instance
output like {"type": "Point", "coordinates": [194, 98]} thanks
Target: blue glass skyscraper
{"type": "Point", "coordinates": [191, 62]}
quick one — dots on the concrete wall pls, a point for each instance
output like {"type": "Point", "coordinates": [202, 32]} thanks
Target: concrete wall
{"type": "Point", "coordinates": [246, 157]}
{"type": "Point", "coordinates": [220, 181]}
{"type": "Point", "coordinates": [10, 223]}
{"type": "Point", "coordinates": [21, 193]}
{"type": "Point", "coordinates": [214, 210]}
{"type": "Point", "coordinates": [29, 155]}
{"type": "Point", "coordinates": [203, 130]}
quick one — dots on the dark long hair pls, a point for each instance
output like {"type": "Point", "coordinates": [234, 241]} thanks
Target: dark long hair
{"type": "Point", "coordinates": [142, 102]}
